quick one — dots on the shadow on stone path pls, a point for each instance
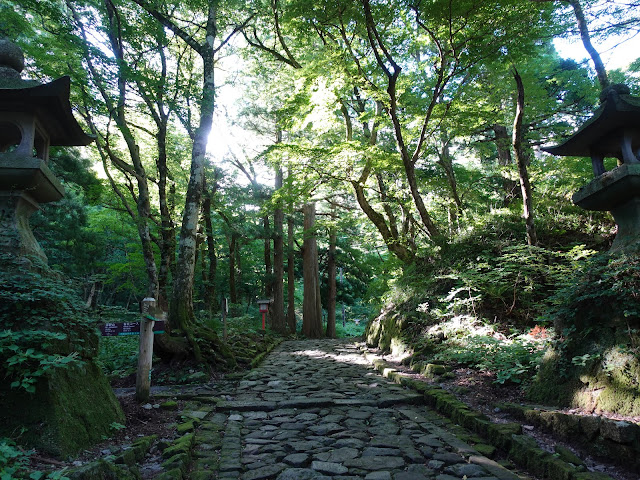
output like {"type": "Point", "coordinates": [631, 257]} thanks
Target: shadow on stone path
{"type": "Point", "coordinates": [318, 410]}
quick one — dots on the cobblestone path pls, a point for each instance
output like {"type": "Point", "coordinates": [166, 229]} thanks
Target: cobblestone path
{"type": "Point", "coordinates": [317, 410]}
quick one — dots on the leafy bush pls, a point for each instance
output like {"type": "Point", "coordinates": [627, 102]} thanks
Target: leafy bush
{"type": "Point", "coordinates": [45, 325]}
{"type": "Point", "coordinates": [514, 285]}
{"type": "Point", "coordinates": [512, 360]}
{"type": "Point", "coordinates": [606, 285]}
{"type": "Point", "coordinates": [118, 356]}
{"type": "Point", "coordinates": [14, 464]}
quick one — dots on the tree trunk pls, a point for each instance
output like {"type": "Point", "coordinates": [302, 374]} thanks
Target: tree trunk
{"type": "Point", "coordinates": [210, 285]}
{"type": "Point", "coordinates": [233, 294]}
{"type": "Point", "coordinates": [311, 306]}
{"type": "Point", "coordinates": [331, 274]}
{"type": "Point", "coordinates": [167, 233]}
{"type": "Point", "coordinates": [446, 162]}
{"type": "Point", "coordinates": [291, 278]}
{"type": "Point", "coordinates": [503, 145]}
{"type": "Point", "coordinates": [181, 308]}
{"type": "Point", "coordinates": [268, 265]}
{"type": "Point", "coordinates": [277, 308]}
{"type": "Point", "coordinates": [518, 147]}
{"type": "Point", "coordinates": [601, 72]}
{"type": "Point", "coordinates": [118, 110]}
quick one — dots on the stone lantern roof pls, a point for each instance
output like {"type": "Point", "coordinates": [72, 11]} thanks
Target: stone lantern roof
{"type": "Point", "coordinates": [612, 131]}
{"type": "Point", "coordinates": [49, 101]}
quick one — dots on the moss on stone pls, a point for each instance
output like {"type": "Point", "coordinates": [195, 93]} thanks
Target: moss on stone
{"type": "Point", "coordinates": [71, 409]}
{"type": "Point", "coordinates": [169, 405]}
{"type": "Point", "coordinates": [102, 470]}
{"type": "Point", "coordinates": [173, 474]}
{"type": "Point", "coordinates": [559, 470]}
{"type": "Point", "coordinates": [486, 450]}
{"type": "Point", "coordinates": [181, 445]}
{"type": "Point", "coordinates": [567, 455]}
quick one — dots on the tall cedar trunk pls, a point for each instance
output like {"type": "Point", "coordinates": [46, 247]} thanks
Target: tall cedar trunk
{"type": "Point", "coordinates": [181, 308]}
{"type": "Point", "coordinates": [331, 274]}
{"type": "Point", "coordinates": [233, 294]}
{"type": "Point", "coordinates": [277, 309]}
{"type": "Point", "coordinates": [518, 147]}
{"type": "Point", "coordinates": [268, 265]}
{"type": "Point", "coordinates": [311, 306]}
{"type": "Point", "coordinates": [601, 72]}
{"type": "Point", "coordinates": [291, 278]}
{"type": "Point", "coordinates": [210, 284]}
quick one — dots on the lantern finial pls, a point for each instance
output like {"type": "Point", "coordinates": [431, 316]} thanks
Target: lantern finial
{"type": "Point", "coordinates": [11, 60]}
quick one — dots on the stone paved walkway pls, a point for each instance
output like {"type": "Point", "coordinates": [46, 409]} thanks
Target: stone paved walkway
{"type": "Point", "coordinates": [317, 410]}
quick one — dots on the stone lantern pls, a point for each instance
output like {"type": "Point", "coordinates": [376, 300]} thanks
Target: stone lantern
{"type": "Point", "coordinates": [69, 407]}
{"type": "Point", "coordinates": [613, 131]}
{"type": "Point", "coordinates": [33, 117]}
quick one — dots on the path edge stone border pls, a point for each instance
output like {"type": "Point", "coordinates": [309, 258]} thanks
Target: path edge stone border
{"type": "Point", "coordinates": [521, 449]}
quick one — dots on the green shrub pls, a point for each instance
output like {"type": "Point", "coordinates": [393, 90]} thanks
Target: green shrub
{"type": "Point", "coordinates": [14, 464]}
{"type": "Point", "coordinates": [44, 325]}
{"type": "Point", "coordinates": [511, 360]}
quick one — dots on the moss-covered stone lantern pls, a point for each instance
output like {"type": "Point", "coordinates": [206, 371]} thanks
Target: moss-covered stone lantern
{"type": "Point", "coordinates": [613, 131]}
{"type": "Point", "coordinates": [33, 117]}
{"type": "Point", "coordinates": [54, 395]}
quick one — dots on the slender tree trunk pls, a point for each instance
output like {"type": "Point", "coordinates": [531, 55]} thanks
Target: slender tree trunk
{"type": "Point", "coordinates": [167, 233]}
{"type": "Point", "coordinates": [331, 274]}
{"type": "Point", "coordinates": [268, 265]}
{"type": "Point", "coordinates": [311, 306]}
{"type": "Point", "coordinates": [446, 162]}
{"type": "Point", "coordinates": [233, 294]}
{"type": "Point", "coordinates": [518, 147]}
{"type": "Point", "coordinates": [601, 72]}
{"type": "Point", "coordinates": [143, 203]}
{"type": "Point", "coordinates": [210, 285]}
{"type": "Point", "coordinates": [277, 309]}
{"type": "Point", "coordinates": [503, 145]}
{"type": "Point", "coordinates": [291, 278]}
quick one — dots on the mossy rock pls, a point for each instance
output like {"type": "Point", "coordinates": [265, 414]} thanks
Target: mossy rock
{"type": "Point", "coordinates": [173, 474]}
{"type": "Point", "coordinates": [567, 455]}
{"type": "Point", "coordinates": [71, 409]}
{"type": "Point", "coordinates": [169, 405]}
{"type": "Point", "coordinates": [102, 470]}
{"type": "Point", "coordinates": [486, 450]}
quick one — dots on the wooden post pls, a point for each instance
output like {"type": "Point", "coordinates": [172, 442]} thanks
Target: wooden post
{"type": "Point", "coordinates": [145, 352]}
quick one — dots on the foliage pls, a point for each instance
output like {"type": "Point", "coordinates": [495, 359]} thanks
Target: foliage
{"type": "Point", "coordinates": [351, 329]}
{"type": "Point", "coordinates": [512, 360]}
{"type": "Point", "coordinates": [14, 464]}
{"type": "Point", "coordinates": [44, 325]}
{"type": "Point", "coordinates": [118, 356]}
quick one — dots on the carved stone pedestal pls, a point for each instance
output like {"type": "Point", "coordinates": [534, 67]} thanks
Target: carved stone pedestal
{"type": "Point", "coordinates": [16, 237]}
{"type": "Point", "coordinates": [616, 191]}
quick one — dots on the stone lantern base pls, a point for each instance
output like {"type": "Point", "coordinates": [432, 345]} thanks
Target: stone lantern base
{"type": "Point", "coordinates": [616, 191]}
{"type": "Point", "coordinates": [16, 238]}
